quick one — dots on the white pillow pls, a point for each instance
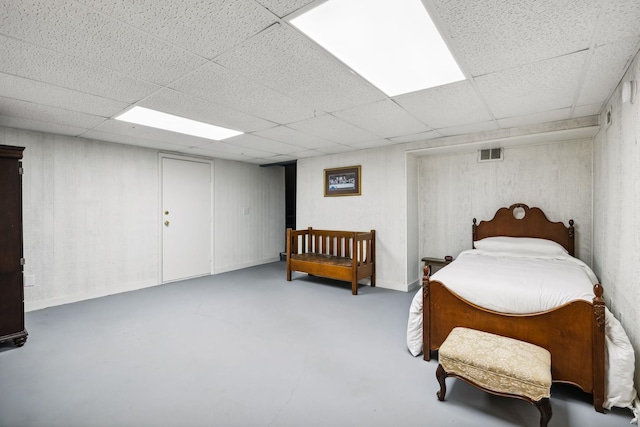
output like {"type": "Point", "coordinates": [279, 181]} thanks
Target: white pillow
{"type": "Point", "coordinates": [521, 245]}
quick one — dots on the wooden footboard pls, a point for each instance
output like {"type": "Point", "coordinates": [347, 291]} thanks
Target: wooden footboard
{"type": "Point", "coordinates": [573, 333]}
{"type": "Point", "coordinates": [340, 255]}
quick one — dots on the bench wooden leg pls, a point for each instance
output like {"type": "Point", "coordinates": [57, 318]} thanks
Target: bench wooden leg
{"type": "Point", "coordinates": [288, 275]}
{"type": "Point", "coordinates": [544, 406]}
{"type": "Point", "coordinates": [354, 287]}
{"type": "Point", "coordinates": [441, 374]}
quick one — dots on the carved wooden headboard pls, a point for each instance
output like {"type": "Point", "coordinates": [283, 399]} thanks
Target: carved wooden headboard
{"type": "Point", "coordinates": [519, 220]}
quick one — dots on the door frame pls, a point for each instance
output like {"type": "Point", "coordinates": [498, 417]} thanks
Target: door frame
{"type": "Point", "coordinates": [210, 162]}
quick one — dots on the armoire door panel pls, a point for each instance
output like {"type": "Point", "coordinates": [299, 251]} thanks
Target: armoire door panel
{"type": "Point", "coordinates": [11, 275]}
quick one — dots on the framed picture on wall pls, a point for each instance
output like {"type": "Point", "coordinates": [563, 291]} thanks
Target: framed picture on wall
{"type": "Point", "coordinates": [342, 181]}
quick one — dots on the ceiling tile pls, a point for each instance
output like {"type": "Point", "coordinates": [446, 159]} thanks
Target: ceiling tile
{"type": "Point", "coordinates": [333, 129]}
{"type": "Point", "coordinates": [533, 88]}
{"type": "Point", "coordinates": [308, 153]}
{"type": "Point", "coordinates": [372, 144]}
{"type": "Point", "coordinates": [423, 136]}
{"type": "Point", "coordinates": [284, 7]}
{"type": "Point", "coordinates": [492, 35]}
{"type": "Point", "coordinates": [262, 144]}
{"type": "Point", "coordinates": [222, 86]}
{"type": "Point", "coordinates": [215, 154]}
{"type": "Point", "coordinates": [384, 118]}
{"type": "Point", "coordinates": [73, 29]}
{"type": "Point", "coordinates": [149, 133]}
{"type": "Point", "coordinates": [183, 105]}
{"type": "Point", "coordinates": [606, 67]}
{"type": "Point", "coordinates": [446, 106]}
{"type": "Point", "coordinates": [42, 113]}
{"type": "Point", "coordinates": [67, 66]}
{"type": "Point", "coordinates": [206, 28]}
{"type": "Point", "coordinates": [620, 20]}
{"type": "Point", "coordinates": [225, 147]}
{"type": "Point", "coordinates": [587, 110]}
{"type": "Point", "coordinates": [335, 149]}
{"type": "Point", "coordinates": [45, 65]}
{"type": "Point", "coordinates": [294, 137]}
{"type": "Point", "coordinates": [531, 119]}
{"type": "Point", "coordinates": [22, 123]}
{"type": "Point", "coordinates": [285, 60]}
{"type": "Point", "coordinates": [55, 96]}
{"type": "Point", "coordinates": [132, 140]}
{"type": "Point", "coordinates": [471, 128]}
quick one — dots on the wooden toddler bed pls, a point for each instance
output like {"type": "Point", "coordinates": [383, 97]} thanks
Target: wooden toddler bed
{"type": "Point", "coordinates": [340, 255]}
{"type": "Point", "coordinates": [573, 332]}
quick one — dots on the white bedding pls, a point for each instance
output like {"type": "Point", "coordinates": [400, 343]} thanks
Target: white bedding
{"type": "Point", "coordinates": [533, 282]}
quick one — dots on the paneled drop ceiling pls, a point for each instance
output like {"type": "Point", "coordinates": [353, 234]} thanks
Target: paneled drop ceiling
{"type": "Point", "coordinates": [68, 67]}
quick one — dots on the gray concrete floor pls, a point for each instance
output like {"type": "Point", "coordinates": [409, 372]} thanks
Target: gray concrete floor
{"type": "Point", "coordinates": [246, 348]}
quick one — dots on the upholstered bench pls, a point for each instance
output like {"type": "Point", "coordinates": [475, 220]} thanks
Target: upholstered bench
{"type": "Point", "coordinates": [498, 365]}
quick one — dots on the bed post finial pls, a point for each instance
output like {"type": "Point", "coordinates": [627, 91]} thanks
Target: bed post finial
{"type": "Point", "coordinates": [425, 280]}
{"type": "Point", "coordinates": [598, 306]}
{"type": "Point", "coordinates": [571, 233]}
{"type": "Point", "coordinates": [474, 233]}
{"type": "Point", "coordinates": [598, 290]}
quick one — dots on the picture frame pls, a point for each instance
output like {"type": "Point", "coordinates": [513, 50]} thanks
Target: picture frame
{"type": "Point", "coordinates": [344, 181]}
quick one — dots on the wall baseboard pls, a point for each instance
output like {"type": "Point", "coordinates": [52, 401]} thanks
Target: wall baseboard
{"type": "Point", "coordinates": [99, 293]}
{"type": "Point", "coordinates": [394, 286]}
{"type": "Point", "coordinates": [69, 299]}
{"type": "Point", "coordinates": [246, 265]}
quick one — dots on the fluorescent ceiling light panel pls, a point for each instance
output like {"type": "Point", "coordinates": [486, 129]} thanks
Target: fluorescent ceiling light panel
{"type": "Point", "coordinates": [160, 120]}
{"type": "Point", "coordinates": [392, 43]}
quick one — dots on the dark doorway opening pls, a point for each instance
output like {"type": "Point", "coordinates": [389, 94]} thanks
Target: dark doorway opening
{"type": "Point", "coordinates": [290, 171]}
{"type": "Point", "coordinates": [290, 179]}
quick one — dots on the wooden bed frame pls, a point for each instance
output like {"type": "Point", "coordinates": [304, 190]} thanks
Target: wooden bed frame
{"type": "Point", "coordinates": [340, 255]}
{"type": "Point", "coordinates": [573, 333]}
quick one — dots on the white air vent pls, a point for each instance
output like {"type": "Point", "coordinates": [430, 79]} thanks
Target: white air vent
{"type": "Point", "coordinates": [490, 155]}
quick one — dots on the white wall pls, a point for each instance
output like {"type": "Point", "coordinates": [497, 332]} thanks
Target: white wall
{"type": "Point", "coordinates": [91, 216]}
{"type": "Point", "coordinates": [414, 265]}
{"type": "Point", "coordinates": [257, 237]}
{"type": "Point", "coordinates": [455, 188]}
{"type": "Point", "coordinates": [616, 238]}
{"type": "Point", "coordinates": [382, 205]}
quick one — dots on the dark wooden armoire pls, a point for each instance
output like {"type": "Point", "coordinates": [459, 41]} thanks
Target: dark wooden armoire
{"type": "Point", "coordinates": [11, 258]}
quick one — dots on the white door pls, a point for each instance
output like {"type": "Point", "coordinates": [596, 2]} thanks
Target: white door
{"type": "Point", "coordinates": [186, 219]}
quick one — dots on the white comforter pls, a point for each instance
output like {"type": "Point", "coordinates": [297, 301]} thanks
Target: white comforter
{"type": "Point", "coordinates": [532, 284]}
